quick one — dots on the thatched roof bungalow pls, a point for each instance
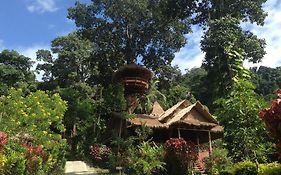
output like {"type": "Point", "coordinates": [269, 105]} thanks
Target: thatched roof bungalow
{"type": "Point", "coordinates": [186, 120]}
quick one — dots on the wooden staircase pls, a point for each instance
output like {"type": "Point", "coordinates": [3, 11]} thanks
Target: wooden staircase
{"type": "Point", "coordinates": [199, 165]}
{"type": "Point", "coordinates": [199, 168]}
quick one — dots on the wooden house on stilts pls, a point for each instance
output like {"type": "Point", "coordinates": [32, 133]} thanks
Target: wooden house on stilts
{"type": "Point", "coordinates": [184, 120]}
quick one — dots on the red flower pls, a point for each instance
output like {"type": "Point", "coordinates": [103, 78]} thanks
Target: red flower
{"type": "Point", "coordinates": [3, 138]}
{"type": "Point", "coordinates": [35, 151]}
{"type": "Point", "coordinates": [272, 119]}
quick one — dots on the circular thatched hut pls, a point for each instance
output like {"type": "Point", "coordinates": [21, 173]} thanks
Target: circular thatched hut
{"type": "Point", "coordinates": [133, 77]}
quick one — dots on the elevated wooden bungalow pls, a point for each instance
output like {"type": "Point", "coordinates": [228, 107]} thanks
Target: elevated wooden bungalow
{"type": "Point", "coordinates": [185, 120]}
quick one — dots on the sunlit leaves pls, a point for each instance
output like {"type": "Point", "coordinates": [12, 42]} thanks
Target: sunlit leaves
{"type": "Point", "coordinates": [33, 114]}
{"type": "Point", "coordinates": [244, 135]}
{"type": "Point", "coordinates": [15, 71]}
{"type": "Point", "coordinates": [126, 31]}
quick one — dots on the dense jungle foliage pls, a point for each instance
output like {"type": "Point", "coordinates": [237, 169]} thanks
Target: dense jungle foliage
{"type": "Point", "coordinates": [74, 101]}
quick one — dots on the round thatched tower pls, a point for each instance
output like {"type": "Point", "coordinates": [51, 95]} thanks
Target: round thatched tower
{"type": "Point", "coordinates": [135, 80]}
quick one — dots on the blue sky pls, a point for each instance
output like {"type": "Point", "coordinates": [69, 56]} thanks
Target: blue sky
{"type": "Point", "coordinates": [29, 25]}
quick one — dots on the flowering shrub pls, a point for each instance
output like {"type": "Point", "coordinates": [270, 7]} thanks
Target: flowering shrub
{"type": "Point", "coordinates": [30, 138]}
{"type": "Point", "coordinates": [35, 151]}
{"type": "Point", "coordinates": [272, 118]}
{"type": "Point", "coordinates": [99, 153]}
{"type": "Point", "coordinates": [180, 154]}
{"type": "Point", "coordinates": [3, 139]}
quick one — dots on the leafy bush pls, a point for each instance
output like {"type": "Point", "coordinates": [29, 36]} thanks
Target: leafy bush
{"type": "Point", "coordinates": [119, 155]}
{"type": "Point", "coordinates": [145, 159]}
{"type": "Point", "coordinates": [180, 154]}
{"type": "Point", "coordinates": [245, 168]}
{"type": "Point", "coordinates": [30, 140]}
{"type": "Point", "coordinates": [244, 134]}
{"type": "Point", "coordinates": [99, 153]}
{"type": "Point", "coordinates": [225, 172]}
{"type": "Point", "coordinates": [270, 169]}
{"type": "Point", "coordinates": [15, 163]}
{"type": "Point", "coordinates": [218, 162]}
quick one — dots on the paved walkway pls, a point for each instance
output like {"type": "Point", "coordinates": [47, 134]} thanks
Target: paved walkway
{"type": "Point", "coordinates": [77, 167]}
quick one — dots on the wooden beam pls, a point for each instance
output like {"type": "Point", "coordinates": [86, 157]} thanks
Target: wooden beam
{"type": "Point", "coordinates": [205, 130]}
{"type": "Point", "coordinates": [210, 143]}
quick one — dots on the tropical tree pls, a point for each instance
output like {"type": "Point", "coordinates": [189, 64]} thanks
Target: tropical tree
{"type": "Point", "coordinates": [244, 133]}
{"type": "Point", "coordinates": [223, 43]}
{"type": "Point", "coordinates": [15, 71]}
{"type": "Point", "coordinates": [72, 63]}
{"type": "Point", "coordinates": [194, 80]}
{"type": "Point", "coordinates": [139, 31]}
{"type": "Point", "coordinates": [67, 70]}
{"type": "Point", "coordinates": [146, 100]}
{"type": "Point", "coordinates": [267, 81]}
{"type": "Point", "coordinates": [224, 36]}
{"type": "Point", "coordinates": [81, 121]}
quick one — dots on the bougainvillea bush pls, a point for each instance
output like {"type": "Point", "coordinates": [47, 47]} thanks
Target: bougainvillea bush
{"type": "Point", "coordinates": [30, 137]}
{"type": "Point", "coordinates": [272, 118]}
{"type": "Point", "coordinates": [179, 156]}
{"type": "Point", "coordinates": [99, 154]}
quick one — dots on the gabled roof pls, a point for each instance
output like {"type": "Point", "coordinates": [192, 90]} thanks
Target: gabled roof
{"type": "Point", "coordinates": [173, 110]}
{"type": "Point", "coordinates": [195, 114]}
{"type": "Point", "coordinates": [184, 114]}
{"type": "Point", "coordinates": [157, 110]}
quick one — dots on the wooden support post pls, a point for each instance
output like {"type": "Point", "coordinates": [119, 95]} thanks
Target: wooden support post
{"type": "Point", "coordinates": [179, 133]}
{"type": "Point", "coordinates": [210, 143]}
{"type": "Point", "coordinates": [198, 148]}
{"type": "Point", "coordinates": [198, 143]}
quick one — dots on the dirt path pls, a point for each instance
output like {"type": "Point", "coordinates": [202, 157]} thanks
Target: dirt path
{"type": "Point", "coordinates": [77, 167]}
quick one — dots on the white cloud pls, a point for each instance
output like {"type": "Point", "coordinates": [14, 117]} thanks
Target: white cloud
{"type": "Point", "coordinates": [271, 33]}
{"type": "Point", "coordinates": [30, 52]}
{"type": "Point", "coordinates": [42, 6]}
{"type": "Point", "coordinates": [190, 56]}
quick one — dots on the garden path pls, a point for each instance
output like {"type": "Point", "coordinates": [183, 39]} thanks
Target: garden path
{"type": "Point", "coordinates": [77, 168]}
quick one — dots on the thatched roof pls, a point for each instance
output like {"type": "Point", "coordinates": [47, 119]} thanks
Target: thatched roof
{"type": "Point", "coordinates": [183, 114]}
{"type": "Point", "coordinates": [147, 120]}
{"type": "Point", "coordinates": [174, 110]}
{"type": "Point", "coordinates": [157, 110]}
{"type": "Point", "coordinates": [217, 129]}
{"type": "Point", "coordinates": [132, 70]}
{"type": "Point", "coordinates": [198, 116]}
{"type": "Point", "coordinates": [134, 78]}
